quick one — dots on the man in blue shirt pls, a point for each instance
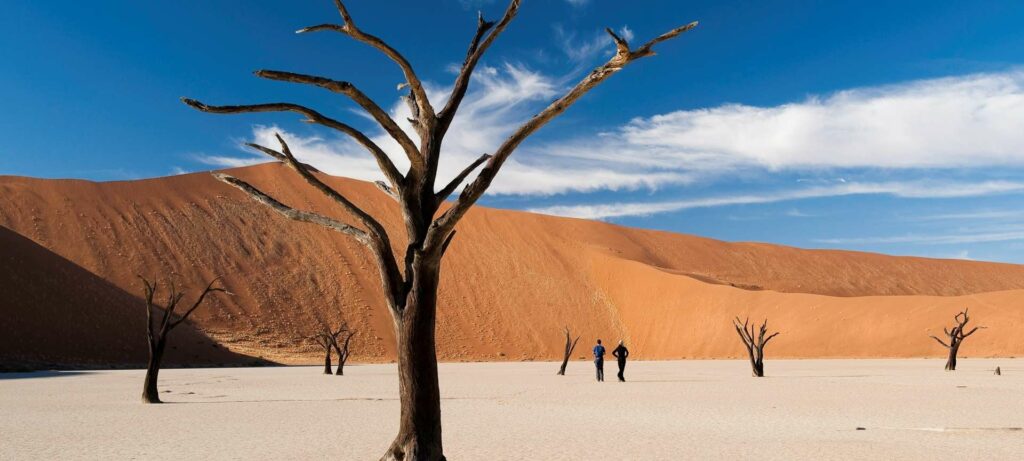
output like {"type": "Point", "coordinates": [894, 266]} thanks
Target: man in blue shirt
{"type": "Point", "coordinates": [599, 360]}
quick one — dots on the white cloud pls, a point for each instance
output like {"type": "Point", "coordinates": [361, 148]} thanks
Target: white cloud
{"type": "Point", "coordinates": [941, 123]}
{"type": "Point", "coordinates": [501, 100]}
{"type": "Point", "coordinates": [898, 189]}
{"type": "Point", "coordinates": [970, 121]}
{"type": "Point", "coordinates": [585, 50]}
{"type": "Point", "coordinates": [578, 3]}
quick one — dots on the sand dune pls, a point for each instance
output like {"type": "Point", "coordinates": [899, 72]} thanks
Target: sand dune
{"type": "Point", "coordinates": [511, 279]}
{"type": "Point", "coordinates": [56, 313]}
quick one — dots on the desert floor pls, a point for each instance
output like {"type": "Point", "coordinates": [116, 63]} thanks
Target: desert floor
{"type": "Point", "coordinates": [805, 409]}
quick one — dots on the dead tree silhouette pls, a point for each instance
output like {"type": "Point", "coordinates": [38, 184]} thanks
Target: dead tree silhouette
{"type": "Point", "coordinates": [327, 338]}
{"type": "Point", "coordinates": [342, 349]}
{"type": "Point", "coordinates": [569, 347]}
{"type": "Point", "coordinates": [410, 282]}
{"type": "Point", "coordinates": [754, 344]}
{"type": "Point", "coordinates": [156, 335]}
{"type": "Point", "coordinates": [956, 337]}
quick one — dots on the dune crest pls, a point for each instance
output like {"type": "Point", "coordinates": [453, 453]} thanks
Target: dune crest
{"type": "Point", "coordinates": [511, 279]}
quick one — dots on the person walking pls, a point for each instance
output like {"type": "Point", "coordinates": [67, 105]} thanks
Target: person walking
{"type": "Point", "coordinates": [599, 360]}
{"type": "Point", "coordinates": [621, 353]}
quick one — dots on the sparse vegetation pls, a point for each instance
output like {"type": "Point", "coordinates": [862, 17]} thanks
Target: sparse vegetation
{"type": "Point", "coordinates": [156, 335]}
{"type": "Point", "coordinates": [956, 336]}
{"type": "Point", "coordinates": [754, 343]}
{"type": "Point", "coordinates": [569, 347]}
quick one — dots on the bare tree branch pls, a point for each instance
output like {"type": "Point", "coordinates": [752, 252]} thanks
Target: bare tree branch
{"type": "Point", "coordinates": [473, 55]}
{"type": "Point", "coordinates": [476, 189]}
{"type": "Point", "coordinates": [940, 341]}
{"type": "Point", "coordinates": [391, 277]}
{"type": "Point", "coordinates": [372, 225]}
{"type": "Point", "coordinates": [459, 178]}
{"type": "Point", "coordinates": [279, 156]}
{"type": "Point", "coordinates": [348, 89]}
{"type": "Point", "coordinates": [291, 213]}
{"type": "Point", "coordinates": [386, 189]}
{"type": "Point", "coordinates": [349, 28]}
{"type": "Point", "coordinates": [209, 289]}
{"type": "Point", "coordinates": [964, 335]}
{"type": "Point", "coordinates": [383, 161]}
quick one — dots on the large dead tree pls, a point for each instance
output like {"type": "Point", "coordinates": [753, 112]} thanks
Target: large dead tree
{"type": "Point", "coordinates": [342, 349]}
{"type": "Point", "coordinates": [327, 338]}
{"type": "Point", "coordinates": [156, 335]}
{"type": "Point", "coordinates": [956, 337]}
{"type": "Point", "coordinates": [570, 345]}
{"type": "Point", "coordinates": [410, 281]}
{"type": "Point", "coordinates": [754, 343]}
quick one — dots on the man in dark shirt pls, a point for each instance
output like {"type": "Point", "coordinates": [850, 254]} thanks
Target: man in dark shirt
{"type": "Point", "coordinates": [599, 360]}
{"type": "Point", "coordinates": [621, 353]}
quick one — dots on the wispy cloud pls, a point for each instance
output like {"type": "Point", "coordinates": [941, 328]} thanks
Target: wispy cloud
{"type": "Point", "coordinates": [950, 123]}
{"type": "Point", "coordinates": [933, 239]}
{"type": "Point", "coordinates": [974, 215]}
{"type": "Point", "coordinates": [578, 3]}
{"type": "Point", "coordinates": [588, 48]}
{"type": "Point", "coordinates": [502, 99]}
{"type": "Point", "coordinates": [898, 189]}
{"type": "Point", "coordinates": [940, 123]}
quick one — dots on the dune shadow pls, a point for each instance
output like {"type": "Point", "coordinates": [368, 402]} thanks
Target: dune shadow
{"type": "Point", "coordinates": [41, 374]}
{"type": "Point", "coordinates": [63, 316]}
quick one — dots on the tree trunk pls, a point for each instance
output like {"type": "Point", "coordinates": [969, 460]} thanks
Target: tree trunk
{"type": "Point", "coordinates": [951, 362]}
{"type": "Point", "coordinates": [327, 362]}
{"type": "Point", "coordinates": [419, 433]}
{"type": "Point", "coordinates": [561, 369]}
{"type": "Point", "coordinates": [150, 393]}
{"type": "Point", "coordinates": [758, 369]}
{"type": "Point", "coordinates": [341, 368]}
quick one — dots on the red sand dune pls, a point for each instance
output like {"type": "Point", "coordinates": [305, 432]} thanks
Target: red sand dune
{"type": "Point", "coordinates": [55, 312]}
{"type": "Point", "coordinates": [511, 280]}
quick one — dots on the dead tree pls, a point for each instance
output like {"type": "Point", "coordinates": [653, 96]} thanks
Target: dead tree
{"type": "Point", "coordinates": [157, 334]}
{"type": "Point", "coordinates": [410, 281]}
{"type": "Point", "coordinates": [754, 344]}
{"type": "Point", "coordinates": [342, 350]}
{"type": "Point", "coordinates": [956, 337]}
{"type": "Point", "coordinates": [327, 339]}
{"type": "Point", "coordinates": [569, 346]}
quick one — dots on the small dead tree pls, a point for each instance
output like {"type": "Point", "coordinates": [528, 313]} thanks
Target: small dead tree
{"type": "Point", "coordinates": [569, 347]}
{"type": "Point", "coordinates": [156, 335]}
{"type": "Point", "coordinates": [754, 344]}
{"type": "Point", "coordinates": [410, 281]}
{"type": "Point", "coordinates": [956, 337]}
{"type": "Point", "coordinates": [327, 338]}
{"type": "Point", "coordinates": [342, 350]}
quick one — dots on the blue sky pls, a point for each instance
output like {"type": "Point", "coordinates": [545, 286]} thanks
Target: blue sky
{"type": "Point", "coordinates": [895, 127]}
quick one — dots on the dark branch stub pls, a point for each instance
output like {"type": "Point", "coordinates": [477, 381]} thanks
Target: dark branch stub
{"type": "Point", "coordinates": [410, 281]}
{"type": "Point", "coordinates": [956, 335]}
{"type": "Point", "coordinates": [754, 342]}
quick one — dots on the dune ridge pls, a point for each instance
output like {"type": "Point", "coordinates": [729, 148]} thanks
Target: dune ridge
{"type": "Point", "coordinates": [511, 279]}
